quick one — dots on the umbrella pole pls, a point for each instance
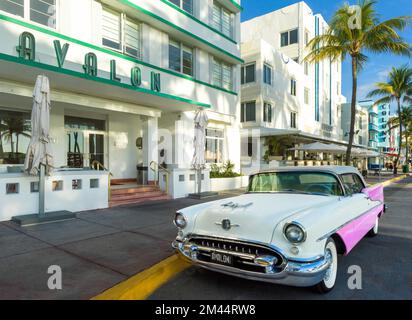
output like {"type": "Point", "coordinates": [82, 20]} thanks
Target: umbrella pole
{"type": "Point", "coordinates": [41, 190]}
{"type": "Point", "coordinates": [199, 181]}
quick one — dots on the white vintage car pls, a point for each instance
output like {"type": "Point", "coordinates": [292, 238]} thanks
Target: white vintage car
{"type": "Point", "coordinates": [288, 228]}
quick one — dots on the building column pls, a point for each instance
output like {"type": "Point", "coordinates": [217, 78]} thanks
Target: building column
{"type": "Point", "coordinates": [150, 146]}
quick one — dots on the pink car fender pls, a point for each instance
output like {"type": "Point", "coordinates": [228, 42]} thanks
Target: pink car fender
{"type": "Point", "coordinates": [355, 230]}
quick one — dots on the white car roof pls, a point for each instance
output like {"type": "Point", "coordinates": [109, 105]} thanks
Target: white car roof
{"type": "Point", "coordinates": [335, 169]}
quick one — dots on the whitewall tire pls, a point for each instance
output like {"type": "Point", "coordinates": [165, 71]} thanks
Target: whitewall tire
{"type": "Point", "coordinates": [329, 280]}
{"type": "Point", "coordinates": [374, 231]}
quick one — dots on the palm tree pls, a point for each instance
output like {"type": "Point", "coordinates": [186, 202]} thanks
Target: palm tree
{"type": "Point", "coordinates": [2, 128]}
{"type": "Point", "coordinates": [406, 119]}
{"type": "Point", "coordinates": [397, 89]}
{"type": "Point", "coordinates": [15, 127]}
{"type": "Point", "coordinates": [344, 39]}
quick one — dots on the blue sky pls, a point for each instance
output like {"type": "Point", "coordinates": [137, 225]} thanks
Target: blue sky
{"type": "Point", "coordinates": [378, 65]}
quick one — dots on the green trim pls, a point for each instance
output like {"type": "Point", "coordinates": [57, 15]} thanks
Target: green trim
{"type": "Point", "coordinates": [236, 5]}
{"type": "Point", "coordinates": [170, 4]}
{"type": "Point", "coordinates": [135, 6]}
{"type": "Point", "coordinates": [72, 73]}
{"type": "Point", "coordinates": [108, 51]}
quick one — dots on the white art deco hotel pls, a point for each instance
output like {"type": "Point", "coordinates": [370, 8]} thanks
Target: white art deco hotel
{"type": "Point", "coordinates": [126, 80]}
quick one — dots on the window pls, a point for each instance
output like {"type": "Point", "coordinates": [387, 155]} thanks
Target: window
{"type": "Point", "coordinates": [180, 58]}
{"type": "Point", "coordinates": [306, 68]}
{"type": "Point", "coordinates": [39, 11]}
{"type": "Point", "coordinates": [250, 146]}
{"type": "Point", "coordinates": [323, 183]}
{"type": "Point", "coordinates": [15, 130]}
{"type": "Point", "coordinates": [306, 38]}
{"type": "Point", "coordinates": [352, 183]}
{"type": "Point", "coordinates": [222, 20]}
{"type": "Point", "coordinates": [293, 120]}
{"type": "Point", "coordinates": [222, 75]}
{"type": "Point", "coordinates": [248, 111]}
{"type": "Point", "coordinates": [267, 74]}
{"type": "Point", "coordinates": [248, 73]}
{"type": "Point", "coordinates": [186, 5]}
{"type": "Point", "coordinates": [293, 87]}
{"type": "Point", "coordinates": [214, 145]}
{"type": "Point", "coordinates": [307, 95]}
{"type": "Point", "coordinates": [288, 37]}
{"type": "Point", "coordinates": [267, 112]}
{"type": "Point", "coordinates": [126, 39]}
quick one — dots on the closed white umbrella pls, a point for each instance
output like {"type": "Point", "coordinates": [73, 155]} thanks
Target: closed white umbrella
{"type": "Point", "coordinates": [38, 157]}
{"type": "Point", "coordinates": [199, 143]}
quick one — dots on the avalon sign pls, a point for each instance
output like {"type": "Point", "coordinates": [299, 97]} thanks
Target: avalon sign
{"type": "Point", "coordinates": [27, 50]}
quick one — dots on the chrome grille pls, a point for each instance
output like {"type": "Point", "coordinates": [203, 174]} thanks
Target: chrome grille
{"type": "Point", "coordinates": [243, 252]}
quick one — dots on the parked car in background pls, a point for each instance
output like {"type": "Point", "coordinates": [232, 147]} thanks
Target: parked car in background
{"type": "Point", "coordinates": [288, 228]}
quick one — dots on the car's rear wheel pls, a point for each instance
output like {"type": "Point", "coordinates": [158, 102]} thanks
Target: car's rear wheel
{"type": "Point", "coordinates": [329, 280]}
{"type": "Point", "coordinates": [374, 231]}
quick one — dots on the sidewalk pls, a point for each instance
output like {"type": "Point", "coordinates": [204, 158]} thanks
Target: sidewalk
{"type": "Point", "coordinates": [95, 251]}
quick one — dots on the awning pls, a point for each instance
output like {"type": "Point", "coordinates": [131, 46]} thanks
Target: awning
{"type": "Point", "coordinates": [321, 147]}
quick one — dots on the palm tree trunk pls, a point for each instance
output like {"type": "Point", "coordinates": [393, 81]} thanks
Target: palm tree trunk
{"type": "Point", "coordinates": [1, 146]}
{"type": "Point", "coordinates": [17, 144]}
{"type": "Point", "coordinates": [395, 168]}
{"type": "Point", "coordinates": [353, 109]}
{"type": "Point", "coordinates": [12, 144]}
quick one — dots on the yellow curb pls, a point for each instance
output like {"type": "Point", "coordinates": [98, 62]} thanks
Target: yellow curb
{"type": "Point", "coordinates": [390, 181]}
{"type": "Point", "coordinates": [143, 284]}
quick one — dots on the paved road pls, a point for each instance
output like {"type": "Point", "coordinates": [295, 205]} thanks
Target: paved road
{"type": "Point", "coordinates": [385, 260]}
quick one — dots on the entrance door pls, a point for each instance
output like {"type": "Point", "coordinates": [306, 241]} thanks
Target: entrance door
{"type": "Point", "coordinates": [84, 147]}
{"type": "Point", "coordinates": [96, 148]}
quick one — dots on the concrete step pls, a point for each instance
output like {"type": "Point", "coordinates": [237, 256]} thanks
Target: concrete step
{"type": "Point", "coordinates": [142, 189]}
{"type": "Point", "coordinates": [136, 195]}
{"type": "Point", "coordinates": [116, 203]}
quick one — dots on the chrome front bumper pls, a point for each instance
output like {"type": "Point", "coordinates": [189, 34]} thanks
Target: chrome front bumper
{"type": "Point", "coordinates": [291, 273]}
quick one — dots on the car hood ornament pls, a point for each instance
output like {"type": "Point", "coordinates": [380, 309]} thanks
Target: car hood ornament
{"type": "Point", "coordinates": [233, 205]}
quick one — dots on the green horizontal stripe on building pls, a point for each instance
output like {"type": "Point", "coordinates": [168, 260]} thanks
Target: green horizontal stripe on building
{"type": "Point", "coordinates": [108, 51]}
{"type": "Point", "coordinates": [197, 20]}
{"type": "Point", "coordinates": [35, 64]}
{"type": "Point", "coordinates": [166, 22]}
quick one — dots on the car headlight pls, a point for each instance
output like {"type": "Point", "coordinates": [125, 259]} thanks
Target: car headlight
{"type": "Point", "coordinates": [180, 220]}
{"type": "Point", "coordinates": [295, 233]}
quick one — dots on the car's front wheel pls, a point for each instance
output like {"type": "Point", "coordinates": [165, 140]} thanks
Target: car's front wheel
{"type": "Point", "coordinates": [329, 280]}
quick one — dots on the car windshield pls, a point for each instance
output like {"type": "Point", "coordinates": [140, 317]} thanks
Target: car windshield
{"type": "Point", "coordinates": [295, 182]}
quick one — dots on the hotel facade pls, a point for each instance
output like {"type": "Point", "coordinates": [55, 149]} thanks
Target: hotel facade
{"type": "Point", "coordinates": [126, 80]}
{"type": "Point", "coordinates": [283, 96]}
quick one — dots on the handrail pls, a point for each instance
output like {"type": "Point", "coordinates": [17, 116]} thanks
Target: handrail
{"type": "Point", "coordinates": [156, 171]}
{"type": "Point", "coordinates": [101, 166]}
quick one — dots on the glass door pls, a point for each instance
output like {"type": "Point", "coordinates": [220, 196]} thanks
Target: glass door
{"type": "Point", "coordinates": [96, 148]}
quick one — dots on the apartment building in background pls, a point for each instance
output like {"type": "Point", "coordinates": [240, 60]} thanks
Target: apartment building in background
{"type": "Point", "coordinates": [282, 94]}
{"type": "Point", "coordinates": [126, 77]}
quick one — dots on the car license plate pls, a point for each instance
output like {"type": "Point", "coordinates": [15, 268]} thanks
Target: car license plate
{"type": "Point", "coordinates": [221, 258]}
